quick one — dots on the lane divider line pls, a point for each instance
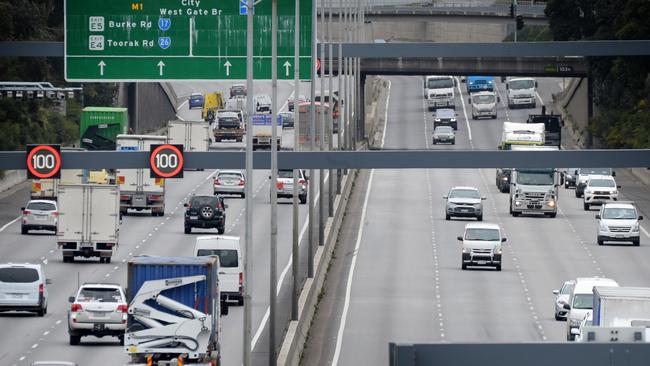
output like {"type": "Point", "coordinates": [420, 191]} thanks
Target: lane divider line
{"type": "Point", "coordinates": [9, 223]}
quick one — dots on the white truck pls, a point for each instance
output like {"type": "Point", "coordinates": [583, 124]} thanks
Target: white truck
{"type": "Point", "coordinates": [137, 189]}
{"type": "Point", "coordinates": [439, 91]}
{"type": "Point", "coordinates": [534, 190]}
{"type": "Point", "coordinates": [193, 135]}
{"type": "Point", "coordinates": [521, 134]}
{"type": "Point", "coordinates": [89, 219]}
{"type": "Point", "coordinates": [521, 92]}
{"type": "Point", "coordinates": [484, 104]}
{"type": "Point", "coordinates": [262, 132]}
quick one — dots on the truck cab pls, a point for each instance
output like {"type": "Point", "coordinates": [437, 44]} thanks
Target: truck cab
{"type": "Point", "coordinates": [439, 92]}
{"type": "Point", "coordinates": [534, 190]}
{"type": "Point", "coordinates": [521, 92]}
{"type": "Point", "coordinates": [484, 104]}
{"type": "Point", "coordinates": [553, 124]}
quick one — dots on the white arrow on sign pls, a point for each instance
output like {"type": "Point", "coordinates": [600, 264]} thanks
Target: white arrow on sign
{"type": "Point", "coordinates": [227, 65]}
{"type": "Point", "coordinates": [286, 65]}
{"type": "Point", "coordinates": [160, 67]}
{"type": "Point", "coordinates": [101, 65]}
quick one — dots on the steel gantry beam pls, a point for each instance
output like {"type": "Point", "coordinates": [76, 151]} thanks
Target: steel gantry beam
{"type": "Point", "coordinates": [376, 159]}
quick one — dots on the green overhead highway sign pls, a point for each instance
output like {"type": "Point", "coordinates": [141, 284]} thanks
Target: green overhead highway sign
{"type": "Point", "coordinates": [122, 40]}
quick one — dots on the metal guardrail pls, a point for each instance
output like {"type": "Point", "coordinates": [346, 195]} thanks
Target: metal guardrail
{"type": "Point", "coordinates": [377, 159]}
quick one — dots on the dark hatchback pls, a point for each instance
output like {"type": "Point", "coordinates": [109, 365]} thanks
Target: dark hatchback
{"type": "Point", "coordinates": [205, 212]}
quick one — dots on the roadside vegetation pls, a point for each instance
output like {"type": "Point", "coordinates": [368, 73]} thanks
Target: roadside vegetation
{"type": "Point", "coordinates": [621, 85]}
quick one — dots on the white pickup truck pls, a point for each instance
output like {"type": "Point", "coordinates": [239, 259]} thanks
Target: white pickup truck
{"type": "Point", "coordinates": [137, 189]}
{"type": "Point", "coordinates": [89, 220]}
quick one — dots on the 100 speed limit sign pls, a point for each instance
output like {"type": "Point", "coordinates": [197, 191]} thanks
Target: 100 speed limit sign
{"type": "Point", "coordinates": [166, 161]}
{"type": "Point", "coordinates": [43, 161]}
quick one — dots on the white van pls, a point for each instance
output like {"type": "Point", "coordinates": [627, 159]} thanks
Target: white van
{"type": "Point", "coordinates": [581, 302]}
{"type": "Point", "coordinates": [231, 275]}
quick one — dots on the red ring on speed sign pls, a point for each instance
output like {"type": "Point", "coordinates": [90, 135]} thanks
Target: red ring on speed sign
{"type": "Point", "coordinates": [176, 151]}
{"type": "Point", "coordinates": [57, 161]}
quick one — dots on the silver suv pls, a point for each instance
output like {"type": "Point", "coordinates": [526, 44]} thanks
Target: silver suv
{"type": "Point", "coordinates": [98, 309]}
{"type": "Point", "coordinates": [618, 221]}
{"type": "Point", "coordinates": [39, 215]}
{"type": "Point", "coordinates": [464, 202]}
{"type": "Point", "coordinates": [23, 287]}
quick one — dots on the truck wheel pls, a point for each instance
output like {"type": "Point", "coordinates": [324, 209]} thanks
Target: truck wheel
{"type": "Point", "coordinates": [107, 260]}
{"type": "Point", "coordinates": [121, 338]}
{"type": "Point", "coordinates": [447, 217]}
{"type": "Point", "coordinates": [552, 215]}
{"type": "Point", "coordinates": [303, 199]}
{"type": "Point", "coordinates": [74, 340]}
{"type": "Point", "coordinates": [479, 218]}
{"type": "Point", "coordinates": [515, 214]}
{"type": "Point", "coordinates": [463, 266]}
{"type": "Point", "coordinates": [600, 242]}
{"type": "Point", "coordinates": [243, 195]}
{"type": "Point", "coordinates": [586, 206]}
{"type": "Point", "coordinates": [188, 229]}
{"type": "Point", "coordinates": [240, 301]}
{"type": "Point", "coordinates": [221, 230]}
{"type": "Point", "coordinates": [67, 259]}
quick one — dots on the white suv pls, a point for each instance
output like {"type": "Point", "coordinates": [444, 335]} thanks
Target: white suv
{"type": "Point", "coordinates": [39, 215]}
{"type": "Point", "coordinates": [599, 190]}
{"type": "Point", "coordinates": [618, 221]}
{"type": "Point", "coordinates": [99, 309]}
{"type": "Point", "coordinates": [23, 287]}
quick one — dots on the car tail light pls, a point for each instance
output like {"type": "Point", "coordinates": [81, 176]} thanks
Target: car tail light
{"type": "Point", "coordinates": [55, 213]}
{"type": "Point", "coordinates": [302, 181]}
{"type": "Point", "coordinates": [123, 308]}
{"type": "Point", "coordinates": [241, 278]}
{"type": "Point", "coordinates": [219, 204]}
{"type": "Point", "coordinates": [27, 212]}
{"type": "Point", "coordinates": [124, 197]}
{"type": "Point", "coordinates": [217, 182]}
{"type": "Point", "coordinates": [155, 197]}
{"type": "Point", "coordinates": [41, 289]}
{"type": "Point", "coordinates": [75, 308]}
{"type": "Point", "coordinates": [241, 182]}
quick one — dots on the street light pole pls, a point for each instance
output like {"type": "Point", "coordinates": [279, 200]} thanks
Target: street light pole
{"type": "Point", "coordinates": [312, 138]}
{"type": "Point", "coordinates": [296, 147]}
{"type": "Point", "coordinates": [330, 135]}
{"type": "Point", "coordinates": [274, 177]}
{"type": "Point", "coordinates": [340, 88]}
{"type": "Point", "coordinates": [321, 144]}
{"type": "Point", "coordinates": [248, 230]}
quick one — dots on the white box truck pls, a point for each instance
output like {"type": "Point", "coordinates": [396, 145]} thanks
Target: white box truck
{"type": "Point", "coordinates": [262, 131]}
{"type": "Point", "coordinates": [193, 135]}
{"type": "Point", "coordinates": [89, 219]}
{"type": "Point", "coordinates": [138, 190]}
{"type": "Point", "coordinates": [620, 306]}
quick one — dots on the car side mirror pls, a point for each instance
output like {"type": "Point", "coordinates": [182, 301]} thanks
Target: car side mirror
{"type": "Point", "coordinates": [459, 238]}
{"type": "Point", "coordinates": [618, 186]}
{"type": "Point", "coordinates": [566, 306]}
{"type": "Point", "coordinates": [503, 240]}
{"type": "Point", "coordinates": [71, 299]}
{"type": "Point", "coordinates": [48, 281]}
{"type": "Point", "coordinates": [269, 177]}
{"type": "Point", "coordinates": [575, 172]}
{"type": "Point", "coordinates": [498, 99]}
{"type": "Point", "coordinates": [613, 173]}
{"type": "Point", "coordinates": [598, 217]}
{"type": "Point", "coordinates": [556, 292]}
{"type": "Point", "coordinates": [22, 209]}
{"type": "Point", "coordinates": [445, 197]}
{"type": "Point", "coordinates": [186, 205]}
{"type": "Point", "coordinates": [507, 87]}
{"type": "Point", "coordinates": [536, 84]}
{"type": "Point", "coordinates": [483, 198]}
{"type": "Point", "coordinates": [640, 218]}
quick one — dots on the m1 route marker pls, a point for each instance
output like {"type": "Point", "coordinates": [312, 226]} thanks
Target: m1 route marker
{"type": "Point", "coordinates": [126, 40]}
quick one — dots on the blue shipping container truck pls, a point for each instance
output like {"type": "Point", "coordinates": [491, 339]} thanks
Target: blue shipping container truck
{"type": "Point", "coordinates": [479, 83]}
{"type": "Point", "coordinates": [203, 296]}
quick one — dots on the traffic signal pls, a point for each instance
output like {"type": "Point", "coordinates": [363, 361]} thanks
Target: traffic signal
{"type": "Point", "coordinates": [512, 10]}
{"type": "Point", "coordinates": [520, 22]}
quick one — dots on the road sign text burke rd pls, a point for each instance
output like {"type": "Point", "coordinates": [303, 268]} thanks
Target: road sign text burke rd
{"type": "Point", "coordinates": [178, 40]}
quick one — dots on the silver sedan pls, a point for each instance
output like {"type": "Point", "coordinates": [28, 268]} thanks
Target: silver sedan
{"type": "Point", "coordinates": [562, 297]}
{"type": "Point", "coordinates": [230, 182]}
{"type": "Point", "coordinates": [444, 134]}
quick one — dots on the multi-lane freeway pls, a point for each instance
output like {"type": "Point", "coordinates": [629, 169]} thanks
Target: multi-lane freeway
{"type": "Point", "coordinates": [398, 277]}
{"type": "Point", "coordinates": [27, 338]}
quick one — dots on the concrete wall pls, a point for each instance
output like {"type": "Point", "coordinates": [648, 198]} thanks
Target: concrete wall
{"type": "Point", "coordinates": [12, 178]}
{"type": "Point", "coordinates": [151, 105]}
{"type": "Point", "coordinates": [573, 104]}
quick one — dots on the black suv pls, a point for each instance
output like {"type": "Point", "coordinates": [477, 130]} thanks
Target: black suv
{"type": "Point", "coordinates": [205, 212]}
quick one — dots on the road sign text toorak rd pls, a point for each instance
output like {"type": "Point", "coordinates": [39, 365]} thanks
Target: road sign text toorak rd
{"type": "Point", "coordinates": [122, 40]}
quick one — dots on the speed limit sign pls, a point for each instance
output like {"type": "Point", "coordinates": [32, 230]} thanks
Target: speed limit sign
{"type": "Point", "coordinates": [166, 161]}
{"type": "Point", "coordinates": [43, 161]}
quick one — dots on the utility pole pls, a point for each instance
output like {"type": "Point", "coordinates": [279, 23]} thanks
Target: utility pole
{"type": "Point", "coordinates": [296, 147]}
{"type": "Point", "coordinates": [248, 241]}
{"type": "Point", "coordinates": [330, 135]}
{"type": "Point", "coordinates": [274, 178]}
{"type": "Point", "coordinates": [341, 100]}
{"type": "Point", "coordinates": [321, 144]}
{"type": "Point", "coordinates": [312, 137]}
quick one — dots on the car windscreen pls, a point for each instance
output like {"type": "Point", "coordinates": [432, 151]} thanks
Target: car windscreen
{"type": "Point", "coordinates": [229, 176]}
{"type": "Point", "coordinates": [196, 97]}
{"type": "Point", "coordinates": [567, 289]}
{"type": "Point", "coordinates": [595, 171]}
{"type": "Point", "coordinates": [440, 83]}
{"type": "Point", "coordinates": [583, 301]}
{"type": "Point", "coordinates": [483, 99]}
{"type": "Point", "coordinates": [464, 193]}
{"type": "Point", "coordinates": [551, 124]}
{"type": "Point", "coordinates": [535, 177]}
{"type": "Point", "coordinates": [41, 206]}
{"type": "Point", "coordinates": [443, 129]}
{"type": "Point", "coordinates": [601, 183]}
{"type": "Point", "coordinates": [522, 84]}
{"type": "Point", "coordinates": [99, 294]}
{"type": "Point", "coordinates": [204, 201]}
{"type": "Point", "coordinates": [285, 173]}
{"type": "Point", "coordinates": [482, 234]}
{"type": "Point", "coordinates": [619, 213]}
{"type": "Point", "coordinates": [18, 275]}
{"type": "Point", "coordinates": [227, 257]}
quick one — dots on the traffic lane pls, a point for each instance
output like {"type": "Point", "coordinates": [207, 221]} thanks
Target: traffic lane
{"type": "Point", "coordinates": [392, 297]}
{"type": "Point", "coordinates": [11, 201]}
{"type": "Point", "coordinates": [135, 234]}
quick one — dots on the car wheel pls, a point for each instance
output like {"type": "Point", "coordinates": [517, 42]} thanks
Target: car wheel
{"type": "Point", "coordinates": [498, 267]}
{"type": "Point", "coordinates": [23, 230]}
{"type": "Point", "coordinates": [577, 194]}
{"type": "Point", "coordinates": [434, 142]}
{"type": "Point", "coordinates": [447, 217]}
{"type": "Point", "coordinates": [473, 116]}
{"type": "Point", "coordinates": [107, 260]}
{"type": "Point", "coordinates": [494, 116]}
{"type": "Point", "coordinates": [637, 242]}
{"type": "Point", "coordinates": [463, 266]}
{"type": "Point", "coordinates": [586, 206]}
{"type": "Point", "coordinates": [243, 195]}
{"type": "Point", "coordinates": [240, 301]}
{"type": "Point", "coordinates": [303, 199]}
{"type": "Point", "coordinates": [188, 229]}
{"type": "Point", "coordinates": [121, 338]}
{"type": "Point", "coordinates": [67, 259]}
{"type": "Point", "coordinates": [600, 242]}
{"type": "Point", "coordinates": [479, 218]}
{"type": "Point", "coordinates": [74, 340]}
{"type": "Point", "coordinates": [557, 317]}
{"type": "Point", "coordinates": [41, 312]}
{"type": "Point", "coordinates": [570, 337]}
{"type": "Point", "coordinates": [515, 213]}
{"type": "Point", "coordinates": [221, 230]}
{"type": "Point", "coordinates": [552, 214]}
{"type": "Point", "coordinates": [453, 142]}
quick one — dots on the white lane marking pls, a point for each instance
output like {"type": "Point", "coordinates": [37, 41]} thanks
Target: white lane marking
{"type": "Point", "coordinates": [22, 358]}
{"type": "Point", "coordinates": [58, 322]}
{"type": "Point", "coordinates": [34, 345]}
{"type": "Point", "coordinates": [539, 97]}
{"type": "Point", "coordinates": [181, 105]}
{"type": "Point", "coordinates": [469, 128]}
{"type": "Point", "coordinates": [9, 223]}
{"type": "Point", "coordinates": [348, 287]}
{"type": "Point", "coordinates": [265, 318]}
{"type": "Point", "coordinates": [383, 138]}
{"type": "Point", "coordinates": [286, 102]}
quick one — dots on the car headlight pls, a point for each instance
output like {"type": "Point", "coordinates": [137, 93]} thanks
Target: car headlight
{"type": "Point", "coordinates": [603, 227]}
{"type": "Point", "coordinates": [551, 204]}
{"type": "Point", "coordinates": [437, 119]}
{"type": "Point", "coordinates": [504, 178]}
{"type": "Point", "coordinates": [635, 228]}
{"type": "Point", "coordinates": [614, 192]}
{"type": "Point", "coordinates": [453, 119]}
{"type": "Point", "coordinates": [498, 250]}
{"type": "Point", "coordinates": [517, 203]}
{"type": "Point", "coordinates": [466, 250]}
